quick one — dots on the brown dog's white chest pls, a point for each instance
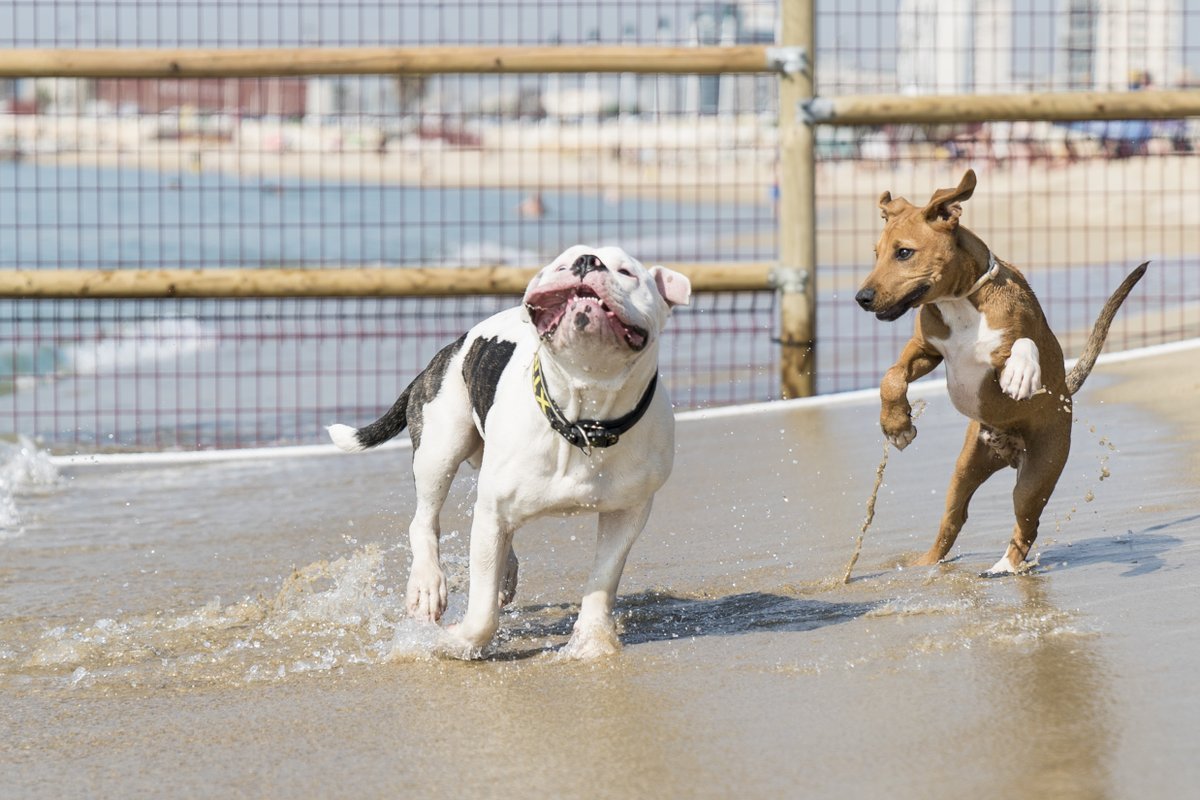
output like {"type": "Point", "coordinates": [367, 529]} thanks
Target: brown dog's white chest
{"type": "Point", "coordinates": [966, 344]}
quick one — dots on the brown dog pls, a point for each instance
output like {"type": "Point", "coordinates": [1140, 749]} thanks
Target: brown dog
{"type": "Point", "coordinates": [1004, 366]}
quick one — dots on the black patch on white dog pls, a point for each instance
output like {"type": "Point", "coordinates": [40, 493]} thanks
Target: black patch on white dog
{"type": "Point", "coordinates": [482, 367]}
{"type": "Point", "coordinates": [425, 387]}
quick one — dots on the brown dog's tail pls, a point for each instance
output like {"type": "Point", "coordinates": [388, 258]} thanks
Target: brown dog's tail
{"type": "Point", "coordinates": [1095, 342]}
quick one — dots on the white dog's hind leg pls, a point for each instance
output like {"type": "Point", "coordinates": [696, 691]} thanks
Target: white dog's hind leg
{"type": "Point", "coordinates": [595, 631]}
{"type": "Point", "coordinates": [435, 463]}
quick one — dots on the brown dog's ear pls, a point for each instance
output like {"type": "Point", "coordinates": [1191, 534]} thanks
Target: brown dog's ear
{"type": "Point", "coordinates": [890, 207]}
{"type": "Point", "coordinates": [946, 203]}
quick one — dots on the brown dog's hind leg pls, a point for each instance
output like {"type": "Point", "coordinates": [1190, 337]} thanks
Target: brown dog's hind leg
{"type": "Point", "coordinates": [1036, 478]}
{"type": "Point", "coordinates": [976, 463]}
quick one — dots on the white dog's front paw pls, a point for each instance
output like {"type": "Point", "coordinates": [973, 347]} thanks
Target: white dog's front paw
{"type": "Point", "coordinates": [457, 642]}
{"type": "Point", "coordinates": [1022, 375]}
{"type": "Point", "coordinates": [426, 595]}
{"type": "Point", "coordinates": [592, 639]}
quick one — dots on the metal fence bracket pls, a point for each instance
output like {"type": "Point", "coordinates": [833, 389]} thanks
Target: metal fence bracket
{"type": "Point", "coordinates": [787, 60]}
{"type": "Point", "coordinates": [815, 110]}
{"type": "Point", "coordinates": [789, 280]}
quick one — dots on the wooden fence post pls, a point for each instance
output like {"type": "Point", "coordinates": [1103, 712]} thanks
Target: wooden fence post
{"type": "Point", "coordinates": [797, 213]}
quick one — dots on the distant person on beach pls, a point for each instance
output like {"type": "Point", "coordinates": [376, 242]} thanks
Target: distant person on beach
{"type": "Point", "coordinates": [532, 207]}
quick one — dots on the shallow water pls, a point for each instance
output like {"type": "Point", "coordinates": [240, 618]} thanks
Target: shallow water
{"type": "Point", "coordinates": [238, 628]}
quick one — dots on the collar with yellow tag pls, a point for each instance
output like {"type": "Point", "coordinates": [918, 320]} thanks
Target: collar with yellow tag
{"type": "Point", "coordinates": [587, 433]}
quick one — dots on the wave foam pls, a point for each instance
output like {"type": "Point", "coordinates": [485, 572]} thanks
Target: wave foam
{"type": "Point", "coordinates": [146, 341]}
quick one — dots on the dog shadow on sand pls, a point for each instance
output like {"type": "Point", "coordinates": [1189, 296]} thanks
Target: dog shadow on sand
{"type": "Point", "coordinates": [1143, 551]}
{"type": "Point", "coordinates": [656, 616]}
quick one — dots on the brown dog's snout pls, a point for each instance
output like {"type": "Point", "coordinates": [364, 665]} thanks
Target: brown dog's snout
{"type": "Point", "coordinates": [865, 298]}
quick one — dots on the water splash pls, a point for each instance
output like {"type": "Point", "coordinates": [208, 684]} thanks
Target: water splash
{"type": "Point", "coordinates": [324, 617]}
{"type": "Point", "coordinates": [1107, 448]}
{"type": "Point", "coordinates": [23, 469]}
{"type": "Point", "coordinates": [917, 411]}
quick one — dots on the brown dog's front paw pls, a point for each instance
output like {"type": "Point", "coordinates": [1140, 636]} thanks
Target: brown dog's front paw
{"type": "Point", "coordinates": [898, 429]}
{"type": "Point", "coordinates": [927, 559]}
{"type": "Point", "coordinates": [1021, 378]}
{"type": "Point", "coordinates": [896, 421]}
{"type": "Point", "coordinates": [903, 438]}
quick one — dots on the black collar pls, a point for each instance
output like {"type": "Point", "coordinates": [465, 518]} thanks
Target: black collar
{"type": "Point", "coordinates": [587, 433]}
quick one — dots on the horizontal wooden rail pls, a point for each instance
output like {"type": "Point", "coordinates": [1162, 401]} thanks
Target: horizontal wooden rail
{"type": "Point", "coordinates": [346, 282]}
{"type": "Point", "coordinates": [1048, 106]}
{"type": "Point", "coordinates": [263, 62]}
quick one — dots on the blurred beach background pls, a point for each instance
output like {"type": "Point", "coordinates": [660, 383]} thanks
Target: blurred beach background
{"type": "Point", "coordinates": [454, 170]}
{"type": "Point", "coordinates": [189, 608]}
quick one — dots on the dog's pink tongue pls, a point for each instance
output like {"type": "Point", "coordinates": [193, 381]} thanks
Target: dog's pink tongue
{"type": "Point", "coordinates": [546, 308]}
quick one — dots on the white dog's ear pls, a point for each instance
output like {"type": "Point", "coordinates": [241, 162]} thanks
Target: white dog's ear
{"type": "Point", "coordinates": [674, 286]}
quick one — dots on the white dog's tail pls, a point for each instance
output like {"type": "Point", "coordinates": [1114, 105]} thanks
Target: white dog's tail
{"type": "Point", "coordinates": [1095, 342]}
{"type": "Point", "coordinates": [386, 427]}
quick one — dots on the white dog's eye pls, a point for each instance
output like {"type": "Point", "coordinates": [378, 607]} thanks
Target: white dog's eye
{"type": "Point", "coordinates": [625, 272]}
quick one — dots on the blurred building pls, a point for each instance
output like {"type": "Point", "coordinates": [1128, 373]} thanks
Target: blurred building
{"type": "Point", "coordinates": [712, 24]}
{"type": "Point", "coordinates": [1077, 44]}
{"type": "Point", "coordinates": [954, 48]}
{"type": "Point", "coordinates": [254, 97]}
{"type": "Point", "coordinates": [45, 95]}
{"type": "Point", "coordinates": [1112, 45]}
{"type": "Point", "coordinates": [746, 22]}
{"type": "Point", "coordinates": [1138, 44]}
{"type": "Point", "coordinates": [337, 95]}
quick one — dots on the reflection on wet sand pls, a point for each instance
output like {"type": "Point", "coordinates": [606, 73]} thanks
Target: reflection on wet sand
{"type": "Point", "coordinates": [1052, 702]}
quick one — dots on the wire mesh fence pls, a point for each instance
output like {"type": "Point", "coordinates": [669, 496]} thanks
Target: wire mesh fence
{"type": "Point", "coordinates": [181, 374]}
{"type": "Point", "coordinates": [333, 171]}
{"type": "Point", "coordinates": [1075, 206]}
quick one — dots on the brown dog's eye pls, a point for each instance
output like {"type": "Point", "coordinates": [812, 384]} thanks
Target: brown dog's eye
{"type": "Point", "coordinates": [904, 253]}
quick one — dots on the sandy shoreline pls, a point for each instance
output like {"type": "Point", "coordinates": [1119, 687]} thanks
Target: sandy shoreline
{"type": "Point", "coordinates": [734, 157]}
{"type": "Point", "coordinates": [1090, 211]}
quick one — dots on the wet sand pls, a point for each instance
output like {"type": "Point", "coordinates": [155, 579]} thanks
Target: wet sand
{"type": "Point", "coordinates": [234, 629]}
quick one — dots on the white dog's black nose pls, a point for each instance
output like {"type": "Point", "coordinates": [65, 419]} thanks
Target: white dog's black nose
{"type": "Point", "coordinates": [585, 264]}
{"type": "Point", "coordinates": [865, 298]}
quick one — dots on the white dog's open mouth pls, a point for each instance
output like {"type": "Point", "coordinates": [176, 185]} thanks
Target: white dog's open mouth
{"type": "Point", "coordinates": [548, 309]}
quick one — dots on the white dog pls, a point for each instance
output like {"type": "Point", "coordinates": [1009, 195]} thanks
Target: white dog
{"type": "Point", "coordinates": [557, 403]}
